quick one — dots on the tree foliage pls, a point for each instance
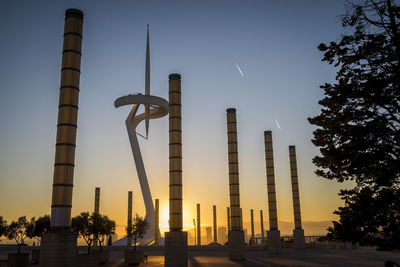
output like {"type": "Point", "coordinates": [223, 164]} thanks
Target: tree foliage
{"type": "Point", "coordinates": [42, 225]}
{"type": "Point", "coordinates": [82, 226]}
{"type": "Point", "coordinates": [3, 226]}
{"type": "Point", "coordinates": [38, 227]}
{"type": "Point", "coordinates": [136, 229]}
{"type": "Point", "coordinates": [18, 231]}
{"type": "Point", "coordinates": [358, 129]}
{"type": "Point", "coordinates": [103, 227]}
{"type": "Point", "coordinates": [92, 227]}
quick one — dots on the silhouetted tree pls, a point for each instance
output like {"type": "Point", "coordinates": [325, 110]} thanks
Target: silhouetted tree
{"type": "Point", "coordinates": [3, 226]}
{"type": "Point", "coordinates": [38, 227]}
{"type": "Point", "coordinates": [358, 129]}
{"type": "Point", "coordinates": [30, 228]}
{"type": "Point", "coordinates": [82, 226]}
{"type": "Point", "coordinates": [136, 229]}
{"type": "Point", "coordinates": [18, 231]}
{"type": "Point", "coordinates": [92, 227]}
{"type": "Point", "coordinates": [102, 227]}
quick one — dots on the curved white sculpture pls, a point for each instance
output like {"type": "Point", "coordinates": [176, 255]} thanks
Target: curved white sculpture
{"type": "Point", "coordinates": [158, 108]}
{"type": "Point", "coordinates": [154, 107]}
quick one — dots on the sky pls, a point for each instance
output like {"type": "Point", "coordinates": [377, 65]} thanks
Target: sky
{"type": "Point", "coordinates": [274, 43]}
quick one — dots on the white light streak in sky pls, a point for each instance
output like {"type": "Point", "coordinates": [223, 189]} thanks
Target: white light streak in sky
{"type": "Point", "coordinates": [277, 123]}
{"type": "Point", "coordinates": [241, 73]}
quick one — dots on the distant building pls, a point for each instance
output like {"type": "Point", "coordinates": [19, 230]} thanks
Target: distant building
{"type": "Point", "coordinates": [190, 238]}
{"type": "Point", "coordinates": [222, 238]}
{"type": "Point", "coordinates": [208, 237]}
{"type": "Point", "coordinates": [193, 239]}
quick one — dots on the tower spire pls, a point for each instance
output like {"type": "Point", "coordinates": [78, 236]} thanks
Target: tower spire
{"type": "Point", "coordinates": [147, 82]}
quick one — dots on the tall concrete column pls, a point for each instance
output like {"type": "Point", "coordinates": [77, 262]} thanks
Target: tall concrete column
{"type": "Point", "coordinates": [97, 200]}
{"type": "Point", "coordinates": [235, 235]}
{"type": "Point", "coordinates": [228, 219]}
{"type": "Point", "coordinates": [175, 153]}
{"type": "Point", "coordinates": [198, 226]}
{"type": "Point", "coordinates": [262, 225]}
{"type": "Point", "coordinates": [241, 219]}
{"type": "Point", "coordinates": [215, 223]}
{"type": "Point", "coordinates": [59, 245]}
{"type": "Point", "coordinates": [175, 240]}
{"type": "Point", "coordinates": [96, 207]}
{"type": "Point", "coordinates": [129, 221]}
{"type": "Point", "coordinates": [157, 223]}
{"type": "Point", "coordinates": [67, 120]}
{"type": "Point", "coordinates": [252, 224]}
{"type": "Point", "coordinates": [298, 232]}
{"type": "Point", "coordinates": [273, 235]}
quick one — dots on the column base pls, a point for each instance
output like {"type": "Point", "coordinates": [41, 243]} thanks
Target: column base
{"type": "Point", "coordinates": [299, 240]}
{"type": "Point", "coordinates": [236, 245]}
{"type": "Point", "coordinates": [274, 242]}
{"type": "Point", "coordinates": [176, 249]}
{"type": "Point", "coordinates": [58, 249]}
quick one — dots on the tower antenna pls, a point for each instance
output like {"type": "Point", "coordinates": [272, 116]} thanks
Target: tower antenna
{"type": "Point", "coordinates": [147, 83]}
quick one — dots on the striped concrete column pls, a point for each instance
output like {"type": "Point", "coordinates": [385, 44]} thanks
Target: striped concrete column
{"type": "Point", "coordinates": [262, 225]}
{"type": "Point", "coordinates": [235, 233]}
{"type": "Point", "coordinates": [273, 235]}
{"type": "Point", "coordinates": [241, 219]}
{"type": "Point", "coordinates": [157, 222]}
{"type": "Point", "coordinates": [63, 178]}
{"type": "Point", "coordinates": [252, 223]}
{"type": "Point", "coordinates": [176, 253]}
{"type": "Point", "coordinates": [295, 187]}
{"type": "Point", "coordinates": [298, 232]}
{"type": "Point", "coordinates": [97, 200]}
{"type": "Point", "coordinates": [198, 226]}
{"type": "Point", "coordinates": [233, 169]}
{"type": "Point", "coordinates": [175, 153]}
{"type": "Point", "coordinates": [269, 159]}
{"type": "Point", "coordinates": [215, 223]}
{"type": "Point", "coordinates": [128, 239]}
{"type": "Point", "coordinates": [58, 246]}
{"type": "Point", "coordinates": [228, 219]}
{"type": "Point", "coordinates": [96, 207]}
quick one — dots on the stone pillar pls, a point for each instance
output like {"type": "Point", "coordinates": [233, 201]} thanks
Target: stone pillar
{"type": "Point", "coordinates": [215, 223]}
{"type": "Point", "coordinates": [262, 225]}
{"type": "Point", "coordinates": [96, 207]}
{"type": "Point", "coordinates": [128, 239]}
{"type": "Point", "coordinates": [198, 226]}
{"type": "Point", "coordinates": [175, 153]}
{"type": "Point", "coordinates": [157, 223]}
{"type": "Point", "coordinates": [59, 244]}
{"type": "Point", "coordinates": [241, 219]}
{"type": "Point", "coordinates": [228, 219]}
{"type": "Point", "coordinates": [298, 232]}
{"type": "Point", "coordinates": [235, 234]}
{"type": "Point", "coordinates": [176, 252]}
{"type": "Point", "coordinates": [97, 200]}
{"type": "Point", "coordinates": [252, 224]}
{"type": "Point", "coordinates": [273, 235]}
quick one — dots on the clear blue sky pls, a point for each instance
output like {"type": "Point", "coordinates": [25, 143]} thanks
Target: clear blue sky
{"type": "Point", "coordinates": [273, 42]}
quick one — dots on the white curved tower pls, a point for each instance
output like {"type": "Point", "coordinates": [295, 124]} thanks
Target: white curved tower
{"type": "Point", "coordinates": [155, 107]}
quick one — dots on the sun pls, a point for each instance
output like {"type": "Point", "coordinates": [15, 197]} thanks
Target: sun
{"type": "Point", "coordinates": [164, 215]}
{"type": "Point", "coordinates": [164, 218]}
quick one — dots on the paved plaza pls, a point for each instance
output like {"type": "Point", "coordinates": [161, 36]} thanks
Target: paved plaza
{"type": "Point", "coordinates": [289, 257]}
